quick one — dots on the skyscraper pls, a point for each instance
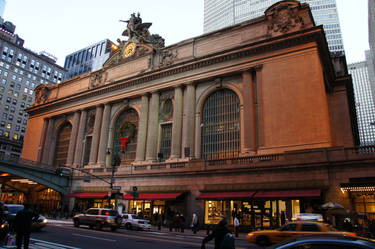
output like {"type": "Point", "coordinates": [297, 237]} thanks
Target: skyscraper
{"type": "Point", "coordinates": [21, 70]}
{"type": "Point", "coordinates": [221, 13]}
{"type": "Point", "coordinates": [87, 59]}
{"type": "Point", "coordinates": [2, 7]}
{"type": "Point", "coordinates": [364, 99]}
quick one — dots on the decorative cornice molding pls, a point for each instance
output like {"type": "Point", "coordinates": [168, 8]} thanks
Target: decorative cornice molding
{"type": "Point", "coordinates": [277, 43]}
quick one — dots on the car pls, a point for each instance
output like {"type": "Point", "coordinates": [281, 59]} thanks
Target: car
{"type": "Point", "coordinates": [292, 230]}
{"type": "Point", "coordinates": [131, 221]}
{"type": "Point", "coordinates": [325, 241]}
{"type": "Point", "coordinates": [98, 218]}
{"type": "Point", "coordinates": [11, 210]}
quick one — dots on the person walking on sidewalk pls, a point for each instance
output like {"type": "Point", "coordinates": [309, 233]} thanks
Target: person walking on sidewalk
{"type": "Point", "coordinates": [236, 226]}
{"type": "Point", "coordinates": [182, 223]}
{"type": "Point", "coordinates": [194, 223]}
{"type": "Point", "coordinates": [219, 233]}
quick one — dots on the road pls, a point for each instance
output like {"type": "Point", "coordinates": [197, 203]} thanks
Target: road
{"type": "Point", "coordinates": [65, 236]}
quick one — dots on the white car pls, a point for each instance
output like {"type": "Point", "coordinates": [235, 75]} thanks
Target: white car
{"type": "Point", "coordinates": [130, 221]}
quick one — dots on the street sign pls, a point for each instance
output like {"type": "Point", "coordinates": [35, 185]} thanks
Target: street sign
{"type": "Point", "coordinates": [116, 187]}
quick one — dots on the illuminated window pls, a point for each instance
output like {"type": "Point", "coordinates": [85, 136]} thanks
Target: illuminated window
{"type": "Point", "coordinates": [15, 136]}
{"type": "Point", "coordinates": [6, 134]}
{"type": "Point", "coordinates": [9, 126]}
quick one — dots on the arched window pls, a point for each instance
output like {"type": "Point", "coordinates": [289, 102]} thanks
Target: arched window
{"type": "Point", "coordinates": [126, 129]}
{"type": "Point", "coordinates": [221, 125]}
{"type": "Point", "coordinates": [62, 144]}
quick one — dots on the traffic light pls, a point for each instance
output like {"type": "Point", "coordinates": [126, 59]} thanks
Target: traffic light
{"type": "Point", "coordinates": [62, 171]}
{"type": "Point", "coordinates": [135, 194]}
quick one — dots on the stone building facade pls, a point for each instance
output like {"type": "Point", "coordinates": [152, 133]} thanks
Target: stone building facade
{"type": "Point", "coordinates": [251, 120]}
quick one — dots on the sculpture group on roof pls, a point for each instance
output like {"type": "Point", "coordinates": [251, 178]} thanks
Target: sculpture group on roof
{"type": "Point", "coordinates": [137, 31]}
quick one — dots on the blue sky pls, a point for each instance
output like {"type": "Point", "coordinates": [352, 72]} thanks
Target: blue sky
{"type": "Point", "coordinates": [61, 27]}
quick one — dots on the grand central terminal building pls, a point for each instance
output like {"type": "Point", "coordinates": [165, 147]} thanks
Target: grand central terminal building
{"type": "Point", "coordinates": [251, 120]}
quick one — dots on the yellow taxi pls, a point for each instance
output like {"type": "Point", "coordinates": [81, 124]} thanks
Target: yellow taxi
{"type": "Point", "coordinates": [293, 230]}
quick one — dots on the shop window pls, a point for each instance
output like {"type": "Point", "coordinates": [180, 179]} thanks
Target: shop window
{"type": "Point", "coordinates": [221, 125]}
{"type": "Point", "coordinates": [214, 210]}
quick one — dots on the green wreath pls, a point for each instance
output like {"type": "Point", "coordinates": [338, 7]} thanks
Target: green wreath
{"type": "Point", "coordinates": [126, 127]}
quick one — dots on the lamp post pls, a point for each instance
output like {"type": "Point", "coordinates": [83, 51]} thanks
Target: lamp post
{"type": "Point", "coordinates": [116, 161]}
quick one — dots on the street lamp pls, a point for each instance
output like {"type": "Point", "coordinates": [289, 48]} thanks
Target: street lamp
{"type": "Point", "coordinates": [116, 161]}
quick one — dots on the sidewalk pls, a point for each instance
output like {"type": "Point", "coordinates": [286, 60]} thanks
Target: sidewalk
{"type": "Point", "coordinates": [154, 229]}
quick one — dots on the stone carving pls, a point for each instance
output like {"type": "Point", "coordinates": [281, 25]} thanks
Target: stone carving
{"type": "Point", "coordinates": [96, 79]}
{"type": "Point", "coordinates": [137, 32]}
{"type": "Point", "coordinates": [167, 57]}
{"type": "Point", "coordinates": [41, 94]}
{"type": "Point", "coordinates": [284, 17]}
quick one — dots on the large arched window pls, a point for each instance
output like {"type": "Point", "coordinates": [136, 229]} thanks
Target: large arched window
{"type": "Point", "coordinates": [126, 129]}
{"type": "Point", "coordinates": [62, 144]}
{"type": "Point", "coordinates": [221, 125]}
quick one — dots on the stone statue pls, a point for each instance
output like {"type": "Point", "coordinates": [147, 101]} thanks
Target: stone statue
{"type": "Point", "coordinates": [137, 31]}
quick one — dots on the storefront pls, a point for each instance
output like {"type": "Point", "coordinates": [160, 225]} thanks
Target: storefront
{"type": "Point", "coordinates": [257, 209]}
{"type": "Point", "coordinates": [85, 200]}
{"type": "Point", "coordinates": [361, 193]}
{"type": "Point", "coordinates": [149, 204]}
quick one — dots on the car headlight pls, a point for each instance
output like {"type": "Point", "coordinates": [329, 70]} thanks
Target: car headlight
{"type": "Point", "coordinates": [250, 235]}
{"type": "Point", "coordinates": [44, 220]}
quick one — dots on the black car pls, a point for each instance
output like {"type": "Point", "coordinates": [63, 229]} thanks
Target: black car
{"type": "Point", "coordinates": [10, 211]}
{"type": "Point", "coordinates": [323, 241]}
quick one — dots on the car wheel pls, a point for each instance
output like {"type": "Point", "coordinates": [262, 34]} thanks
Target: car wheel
{"type": "Point", "coordinates": [91, 226]}
{"type": "Point", "coordinates": [98, 226]}
{"type": "Point", "coordinates": [262, 241]}
{"type": "Point", "coordinates": [76, 223]}
{"type": "Point", "coordinates": [128, 226]}
{"type": "Point", "coordinates": [113, 229]}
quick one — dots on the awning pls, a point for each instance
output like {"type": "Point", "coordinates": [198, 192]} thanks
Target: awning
{"type": "Point", "coordinates": [225, 195]}
{"type": "Point", "coordinates": [153, 196]}
{"type": "Point", "coordinates": [88, 195]}
{"type": "Point", "coordinates": [292, 193]}
{"type": "Point", "coordinates": [358, 187]}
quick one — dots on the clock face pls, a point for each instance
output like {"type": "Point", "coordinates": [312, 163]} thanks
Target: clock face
{"type": "Point", "coordinates": [129, 49]}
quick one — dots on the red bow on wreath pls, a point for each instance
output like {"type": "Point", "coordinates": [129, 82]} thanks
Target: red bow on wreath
{"type": "Point", "coordinates": [124, 141]}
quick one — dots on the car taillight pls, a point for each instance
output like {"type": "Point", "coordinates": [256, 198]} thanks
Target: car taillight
{"type": "Point", "coordinates": [352, 234]}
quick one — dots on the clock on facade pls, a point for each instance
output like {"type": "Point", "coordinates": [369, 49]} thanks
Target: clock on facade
{"type": "Point", "coordinates": [129, 49]}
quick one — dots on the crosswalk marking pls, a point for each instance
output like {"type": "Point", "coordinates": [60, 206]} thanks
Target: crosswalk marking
{"type": "Point", "coordinates": [42, 244]}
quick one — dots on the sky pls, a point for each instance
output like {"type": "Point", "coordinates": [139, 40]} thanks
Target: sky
{"type": "Point", "coordinates": [61, 27]}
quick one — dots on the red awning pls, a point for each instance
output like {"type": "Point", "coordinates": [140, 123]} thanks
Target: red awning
{"type": "Point", "coordinates": [153, 196]}
{"type": "Point", "coordinates": [225, 195]}
{"type": "Point", "coordinates": [88, 195]}
{"type": "Point", "coordinates": [293, 193]}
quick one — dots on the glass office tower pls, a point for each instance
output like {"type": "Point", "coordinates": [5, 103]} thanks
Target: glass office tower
{"type": "Point", "coordinates": [222, 13]}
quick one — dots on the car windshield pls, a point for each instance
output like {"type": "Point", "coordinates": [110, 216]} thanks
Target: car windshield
{"type": "Point", "coordinates": [14, 209]}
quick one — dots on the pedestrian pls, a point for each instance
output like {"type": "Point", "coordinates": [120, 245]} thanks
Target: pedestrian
{"type": "Point", "coordinates": [194, 223]}
{"type": "Point", "coordinates": [23, 222]}
{"type": "Point", "coordinates": [236, 223]}
{"type": "Point", "coordinates": [177, 223]}
{"type": "Point", "coordinates": [218, 234]}
{"type": "Point", "coordinates": [182, 223]}
{"type": "Point", "coordinates": [283, 218]}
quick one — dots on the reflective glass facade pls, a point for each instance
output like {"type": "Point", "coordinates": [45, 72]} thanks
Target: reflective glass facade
{"type": "Point", "coordinates": [88, 59]}
{"type": "Point", "coordinates": [221, 13]}
{"type": "Point", "coordinates": [364, 100]}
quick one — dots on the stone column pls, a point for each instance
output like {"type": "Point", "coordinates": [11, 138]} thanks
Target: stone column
{"type": "Point", "coordinates": [52, 145]}
{"type": "Point", "coordinates": [96, 135]}
{"type": "Point", "coordinates": [248, 114]}
{"type": "Point", "coordinates": [47, 144]}
{"type": "Point", "coordinates": [42, 140]}
{"type": "Point", "coordinates": [142, 130]}
{"type": "Point", "coordinates": [104, 134]}
{"type": "Point", "coordinates": [177, 124]}
{"type": "Point", "coordinates": [73, 139]}
{"type": "Point", "coordinates": [153, 128]}
{"type": "Point", "coordinates": [80, 138]}
{"type": "Point", "coordinates": [188, 132]}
